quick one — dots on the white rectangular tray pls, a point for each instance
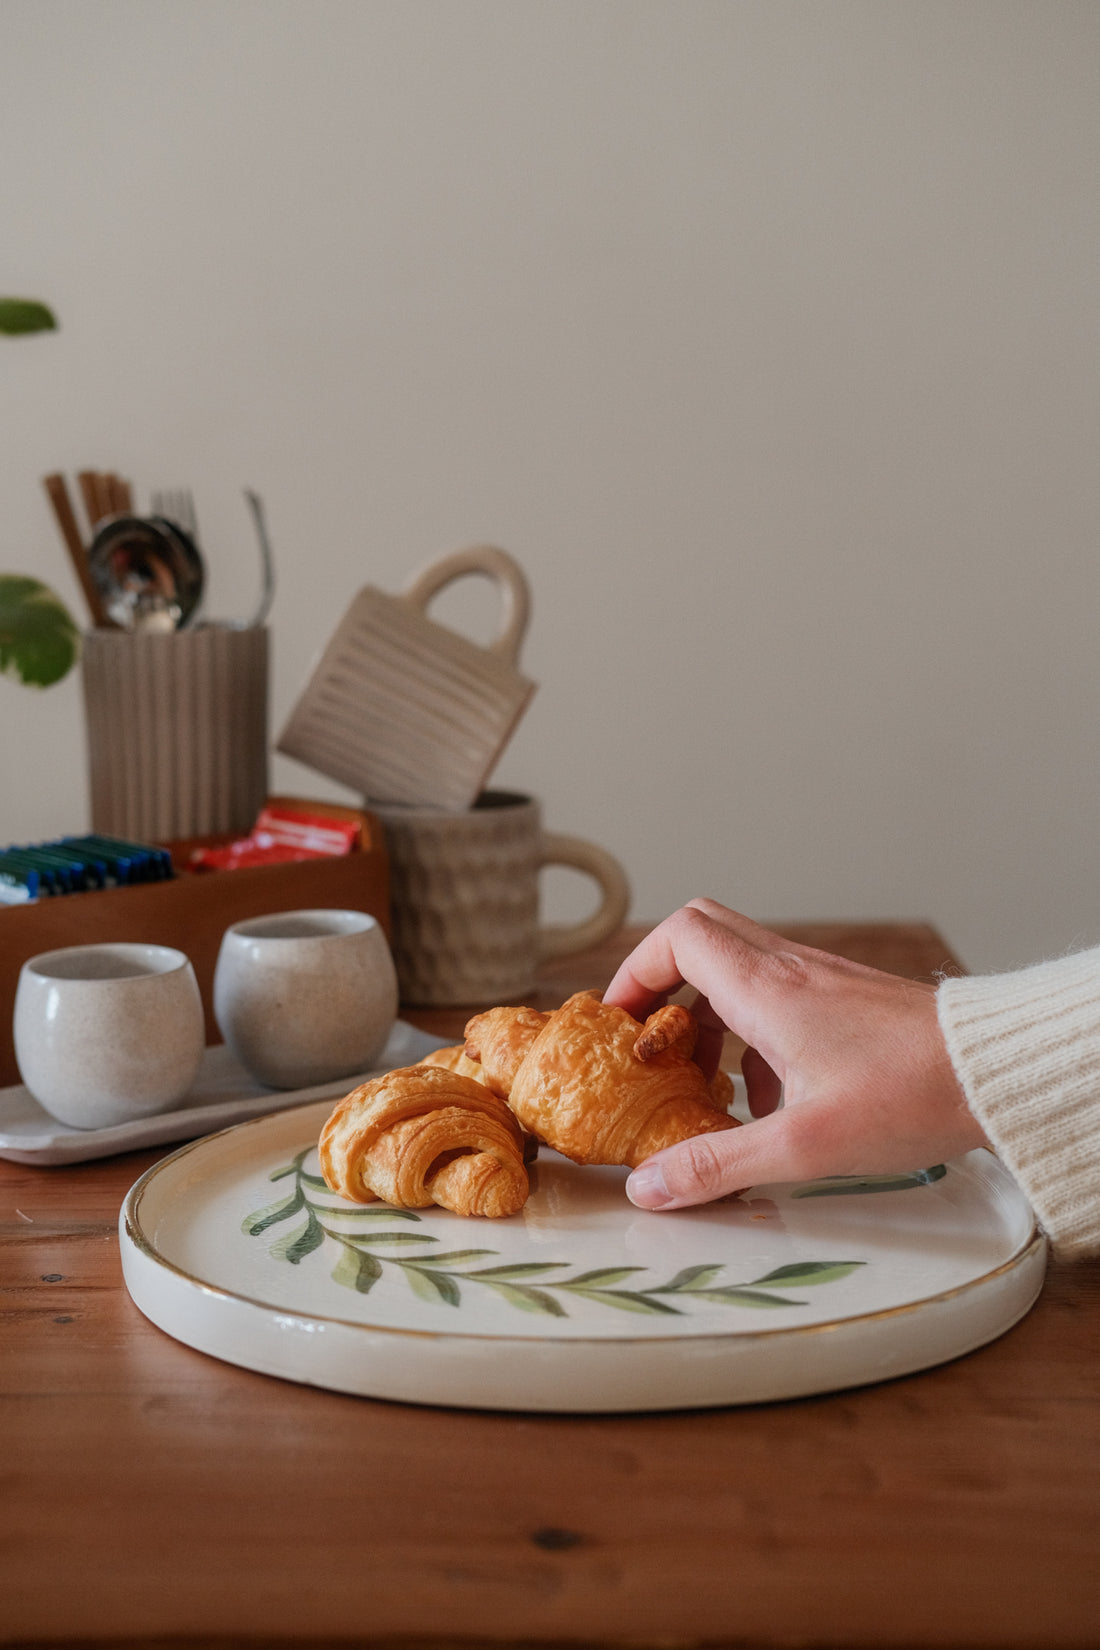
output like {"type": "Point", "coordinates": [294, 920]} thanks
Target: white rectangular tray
{"type": "Point", "coordinates": [224, 1094]}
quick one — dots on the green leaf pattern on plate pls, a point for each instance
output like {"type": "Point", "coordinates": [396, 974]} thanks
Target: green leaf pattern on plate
{"type": "Point", "coordinates": [853, 1185]}
{"type": "Point", "coordinates": [437, 1278]}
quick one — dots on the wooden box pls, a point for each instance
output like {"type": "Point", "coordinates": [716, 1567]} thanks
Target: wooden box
{"type": "Point", "coordinates": [191, 912]}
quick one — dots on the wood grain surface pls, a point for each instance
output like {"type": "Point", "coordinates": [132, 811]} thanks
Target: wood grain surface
{"type": "Point", "coordinates": [154, 1496]}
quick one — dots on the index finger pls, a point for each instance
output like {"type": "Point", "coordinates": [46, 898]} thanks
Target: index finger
{"type": "Point", "coordinates": [691, 947]}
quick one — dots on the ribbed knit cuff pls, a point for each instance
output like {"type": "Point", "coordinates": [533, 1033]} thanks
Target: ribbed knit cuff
{"type": "Point", "coordinates": [1026, 1049]}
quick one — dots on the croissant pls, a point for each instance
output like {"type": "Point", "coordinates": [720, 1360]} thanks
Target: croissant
{"type": "Point", "coordinates": [456, 1059]}
{"type": "Point", "coordinates": [422, 1135]}
{"type": "Point", "coordinates": [596, 1085]}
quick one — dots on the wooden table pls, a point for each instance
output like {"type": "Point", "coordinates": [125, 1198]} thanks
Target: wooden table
{"type": "Point", "coordinates": [153, 1495]}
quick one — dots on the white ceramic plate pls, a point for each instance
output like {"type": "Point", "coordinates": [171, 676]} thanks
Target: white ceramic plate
{"type": "Point", "coordinates": [223, 1094]}
{"type": "Point", "coordinates": [581, 1302]}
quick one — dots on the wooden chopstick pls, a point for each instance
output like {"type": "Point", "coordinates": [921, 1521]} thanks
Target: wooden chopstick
{"type": "Point", "coordinates": [119, 494]}
{"type": "Point", "coordinates": [66, 519]}
{"type": "Point", "coordinates": [97, 502]}
{"type": "Point", "coordinates": [104, 494]}
{"type": "Point", "coordinates": [88, 483]}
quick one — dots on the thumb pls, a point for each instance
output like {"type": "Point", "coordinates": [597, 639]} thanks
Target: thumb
{"type": "Point", "coordinates": [713, 1165]}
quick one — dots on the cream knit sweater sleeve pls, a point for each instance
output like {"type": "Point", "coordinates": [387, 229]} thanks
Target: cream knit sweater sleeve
{"type": "Point", "coordinates": [1026, 1049]}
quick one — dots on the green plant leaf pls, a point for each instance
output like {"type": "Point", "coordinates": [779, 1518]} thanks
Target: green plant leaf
{"type": "Point", "coordinates": [390, 1238]}
{"type": "Point", "coordinates": [259, 1221]}
{"type": "Point", "coordinates": [39, 640]}
{"type": "Point", "coordinates": [803, 1272]}
{"type": "Point", "coordinates": [356, 1269]}
{"type": "Point", "coordinates": [25, 315]}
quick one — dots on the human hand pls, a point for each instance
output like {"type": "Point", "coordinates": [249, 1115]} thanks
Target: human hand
{"type": "Point", "coordinates": [868, 1087]}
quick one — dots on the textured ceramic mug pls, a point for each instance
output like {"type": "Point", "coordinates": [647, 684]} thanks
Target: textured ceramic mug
{"type": "Point", "coordinates": [108, 1033]}
{"type": "Point", "coordinates": [464, 898]}
{"type": "Point", "coordinates": [305, 996]}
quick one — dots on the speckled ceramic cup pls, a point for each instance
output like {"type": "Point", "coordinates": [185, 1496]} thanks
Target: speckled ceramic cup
{"type": "Point", "coordinates": [464, 896]}
{"type": "Point", "coordinates": [304, 996]}
{"type": "Point", "coordinates": [108, 1033]}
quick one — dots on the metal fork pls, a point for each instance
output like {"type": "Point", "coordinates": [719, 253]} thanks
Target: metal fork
{"type": "Point", "coordinates": [176, 504]}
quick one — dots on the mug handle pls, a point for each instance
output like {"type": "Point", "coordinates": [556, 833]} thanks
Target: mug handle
{"type": "Point", "coordinates": [563, 939]}
{"type": "Point", "coordinates": [493, 564]}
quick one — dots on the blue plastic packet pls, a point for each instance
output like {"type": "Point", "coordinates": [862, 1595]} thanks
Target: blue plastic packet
{"type": "Point", "coordinates": [153, 864]}
{"type": "Point", "coordinates": [49, 881]}
{"type": "Point", "coordinates": [18, 884]}
{"type": "Point", "coordinates": [124, 862]}
{"type": "Point", "coordinates": [93, 866]}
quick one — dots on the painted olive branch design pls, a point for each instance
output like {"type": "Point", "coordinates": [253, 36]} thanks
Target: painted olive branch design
{"type": "Point", "coordinates": [846, 1185]}
{"type": "Point", "coordinates": [435, 1278]}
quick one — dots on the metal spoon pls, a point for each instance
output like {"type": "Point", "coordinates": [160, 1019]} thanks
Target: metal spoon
{"type": "Point", "coordinates": [148, 572]}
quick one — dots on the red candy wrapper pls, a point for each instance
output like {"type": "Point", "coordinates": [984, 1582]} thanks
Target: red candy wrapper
{"type": "Point", "coordinates": [280, 836]}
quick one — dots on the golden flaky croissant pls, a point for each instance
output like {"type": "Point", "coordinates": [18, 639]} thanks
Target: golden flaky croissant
{"type": "Point", "coordinates": [595, 1084]}
{"type": "Point", "coordinates": [422, 1135]}
{"type": "Point", "coordinates": [455, 1058]}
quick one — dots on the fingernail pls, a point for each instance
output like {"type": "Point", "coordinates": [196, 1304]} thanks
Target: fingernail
{"type": "Point", "coordinates": [646, 1187]}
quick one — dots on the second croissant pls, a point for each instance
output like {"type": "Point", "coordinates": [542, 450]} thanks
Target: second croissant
{"type": "Point", "coordinates": [594, 1084]}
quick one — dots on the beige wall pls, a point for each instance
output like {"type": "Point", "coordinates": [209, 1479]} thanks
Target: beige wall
{"type": "Point", "coordinates": [766, 335]}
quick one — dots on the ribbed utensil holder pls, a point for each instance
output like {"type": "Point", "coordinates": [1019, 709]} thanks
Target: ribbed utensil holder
{"type": "Point", "coordinates": [177, 730]}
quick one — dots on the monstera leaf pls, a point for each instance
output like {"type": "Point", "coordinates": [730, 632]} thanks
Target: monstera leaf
{"type": "Point", "coordinates": [25, 315]}
{"type": "Point", "coordinates": [39, 641]}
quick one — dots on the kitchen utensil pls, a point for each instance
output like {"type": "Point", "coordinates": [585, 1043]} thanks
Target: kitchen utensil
{"type": "Point", "coordinates": [267, 560]}
{"type": "Point", "coordinates": [176, 729]}
{"type": "Point", "coordinates": [58, 494]}
{"type": "Point", "coordinates": [148, 572]}
{"type": "Point", "coordinates": [405, 710]}
{"type": "Point", "coordinates": [178, 506]}
{"type": "Point", "coordinates": [104, 494]}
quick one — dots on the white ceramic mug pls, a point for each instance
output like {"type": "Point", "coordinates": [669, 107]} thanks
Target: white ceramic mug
{"type": "Point", "coordinates": [302, 997]}
{"type": "Point", "coordinates": [108, 1033]}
